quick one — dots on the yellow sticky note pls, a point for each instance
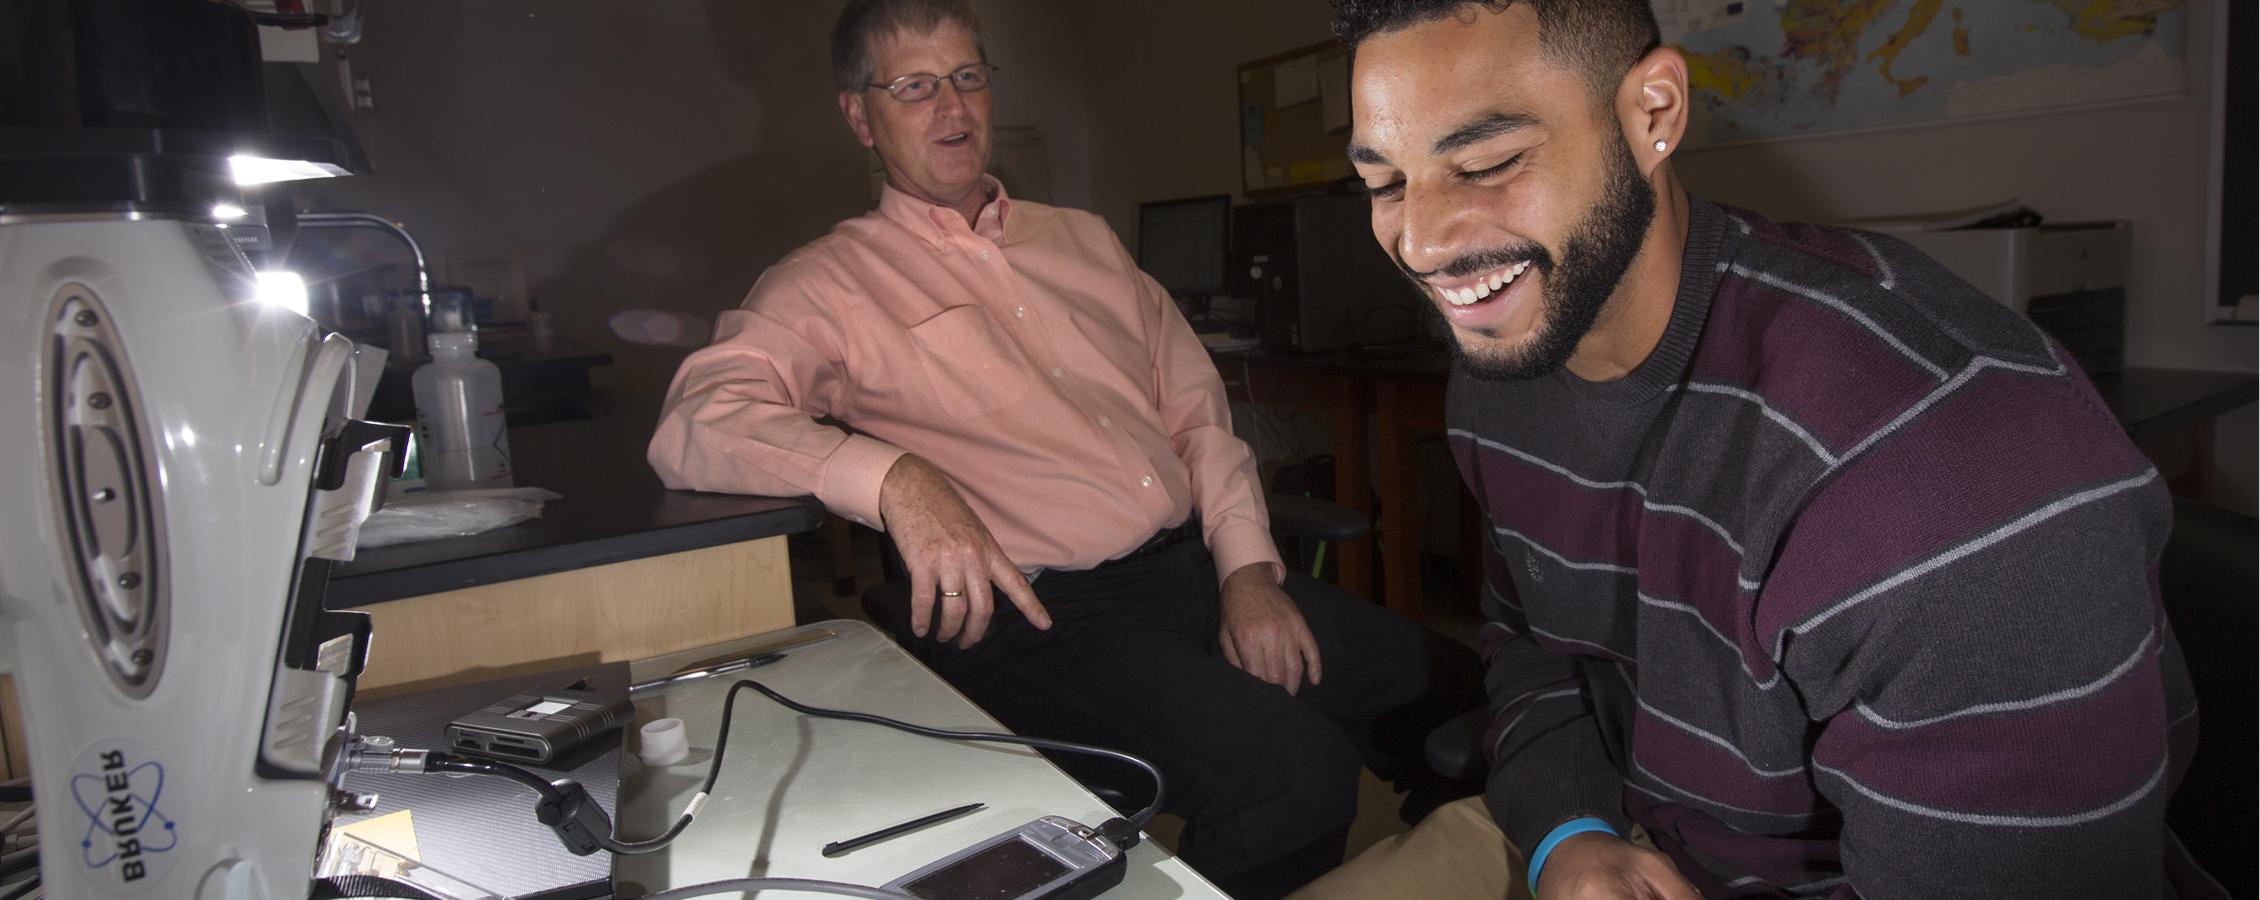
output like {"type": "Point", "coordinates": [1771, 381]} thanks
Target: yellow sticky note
{"type": "Point", "coordinates": [379, 846]}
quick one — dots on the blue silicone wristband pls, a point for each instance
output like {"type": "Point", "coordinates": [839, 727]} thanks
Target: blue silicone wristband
{"type": "Point", "coordinates": [1554, 838]}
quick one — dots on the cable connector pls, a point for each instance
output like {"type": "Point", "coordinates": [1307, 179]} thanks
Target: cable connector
{"type": "Point", "coordinates": [363, 758]}
{"type": "Point", "coordinates": [579, 821]}
{"type": "Point", "coordinates": [1123, 832]}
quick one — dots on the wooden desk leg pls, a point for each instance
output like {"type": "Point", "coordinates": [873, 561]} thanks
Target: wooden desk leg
{"type": "Point", "coordinates": [1400, 507]}
{"type": "Point", "coordinates": [1351, 465]}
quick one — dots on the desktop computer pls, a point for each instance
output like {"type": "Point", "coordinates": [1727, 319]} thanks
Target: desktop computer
{"type": "Point", "coordinates": [1320, 280]}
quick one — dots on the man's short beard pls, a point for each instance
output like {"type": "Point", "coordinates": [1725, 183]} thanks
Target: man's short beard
{"type": "Point", "coordinates": [1594, 259]}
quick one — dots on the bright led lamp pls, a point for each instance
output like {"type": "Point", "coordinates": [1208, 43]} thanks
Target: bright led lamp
{"type": "Point", "coordinates": [284, 289]}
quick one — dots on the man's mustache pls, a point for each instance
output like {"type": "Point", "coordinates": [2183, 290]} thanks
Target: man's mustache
{"type": "Point", "coordinates": [1474, 263]}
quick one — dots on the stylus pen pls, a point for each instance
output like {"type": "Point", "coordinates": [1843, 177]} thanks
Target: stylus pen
{"type": "Point", "coordinates": [735, 665]}
{"type": "Point", "coordinates": [838, 847]}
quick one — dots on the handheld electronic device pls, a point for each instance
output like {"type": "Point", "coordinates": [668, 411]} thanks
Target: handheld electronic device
{"type": "Point", "coordinates": [539, 726]}
{"type": "Point", "coordinates": [1051, 858]}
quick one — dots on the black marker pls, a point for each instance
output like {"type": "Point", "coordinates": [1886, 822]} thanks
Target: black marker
{"type": "Point", "coordinates": [838, 847]}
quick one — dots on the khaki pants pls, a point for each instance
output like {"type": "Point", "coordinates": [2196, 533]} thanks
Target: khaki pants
{"type": "Point", "coordinates": [1457, 852]}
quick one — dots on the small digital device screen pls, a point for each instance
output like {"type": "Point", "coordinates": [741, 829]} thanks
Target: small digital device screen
{"type": "Point", "coordinates": [548, 707]}
{"type": "Point", "coordinates": [1004, 871]}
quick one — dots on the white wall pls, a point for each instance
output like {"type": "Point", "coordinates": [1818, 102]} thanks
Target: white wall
{"type": "Point", "coordinates": [660, 155]}
{"type": "Point", "coordinates": [645, 155]}
{"type": "Point", "coordinates": [1165, 127]}
{"type": "Point", "coordinates": [1165, 96]}
{"type": "Point", "coordinates": [2144, 163]}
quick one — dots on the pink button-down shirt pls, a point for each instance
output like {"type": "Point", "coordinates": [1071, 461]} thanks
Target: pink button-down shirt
{"type": "Point", "coordinates": [1026, 357]}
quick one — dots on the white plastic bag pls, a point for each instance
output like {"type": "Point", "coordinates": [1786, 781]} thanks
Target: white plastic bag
{"type": "Point", "coordinates": [438, 514]}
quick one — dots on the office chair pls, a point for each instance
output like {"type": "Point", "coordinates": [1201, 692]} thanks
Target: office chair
{"type": "Point", "coordinates": [2208, 584]}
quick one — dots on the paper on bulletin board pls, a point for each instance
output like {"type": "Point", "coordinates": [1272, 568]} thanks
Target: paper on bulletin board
{"type": "Point", "coordinates": [1678, 17]}
{"type": "Point", "coordinates": [1295, 81]}
{"type": "Point", "coordinates": [1251, 163]}
{"type": "Point", "coordinates": [1251, 124]}
{"type": "Point", "coordinates": [1334, 93]}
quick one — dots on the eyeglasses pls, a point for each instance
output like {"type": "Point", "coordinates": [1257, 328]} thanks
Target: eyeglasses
{"type": "Point", "coordinates": [919, 87]}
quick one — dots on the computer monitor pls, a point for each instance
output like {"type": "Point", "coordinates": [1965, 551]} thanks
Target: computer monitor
{"type": "Point", "coordinates": [1350, 293]}
{"type": "Point", "coordinates": [1183, 243]}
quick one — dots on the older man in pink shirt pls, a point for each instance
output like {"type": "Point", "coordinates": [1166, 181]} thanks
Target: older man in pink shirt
{"type": "Point", "coordinates": [1032, 417]}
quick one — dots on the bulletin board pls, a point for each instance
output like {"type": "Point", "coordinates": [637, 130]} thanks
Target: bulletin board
{"type": "Point", "coordinates": [1294, 120]}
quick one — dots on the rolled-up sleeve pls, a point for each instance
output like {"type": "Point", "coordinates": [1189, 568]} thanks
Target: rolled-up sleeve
{"type": "Point", "coordinates": [741, 415]}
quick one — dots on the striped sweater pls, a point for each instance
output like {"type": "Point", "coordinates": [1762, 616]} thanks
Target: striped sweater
{"type": "Point", "coordinates": [1849, 590]}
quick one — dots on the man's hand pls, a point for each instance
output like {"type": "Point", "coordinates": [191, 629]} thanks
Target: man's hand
{"type": "Point", "coordinates": [1263, 634]}
{"type": "Point", "coordinates": [1600, 866]}
{"type": "Point", "coordinates": [948, 550]}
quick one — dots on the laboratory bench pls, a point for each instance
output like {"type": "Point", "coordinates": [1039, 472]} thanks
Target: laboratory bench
{"type": "Point", "coordinates": [619, 567]}
{"type": "Point", "coordinates": [789, 784]}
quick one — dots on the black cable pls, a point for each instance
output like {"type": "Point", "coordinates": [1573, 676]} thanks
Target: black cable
{"type": "Point", "coordinates": [1140, 819]}
{"type": "Point", "coordinates": [1359, 323]}
{"type": "Point", "coordinates": [263, 17]}
{"type": "Point", "coordinates": [19, 860]}
{"type": "Point", "coordinates": [448, 762]}
{"type": "Point", "coordinates": [20, 890]}
{"type": "Point", "coordinates": [286, 20]}
{"type": "Point", "coordinates": [360, 887]}
{"type": "Point", "coordinates": [582, 824]}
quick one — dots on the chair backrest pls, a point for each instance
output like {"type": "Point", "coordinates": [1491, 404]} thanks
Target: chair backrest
{"type": "Point", "coordinates": [2210, 581]}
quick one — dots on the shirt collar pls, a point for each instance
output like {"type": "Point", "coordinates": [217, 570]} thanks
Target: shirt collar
{"type": "Point", "coordinates": [937, 224]}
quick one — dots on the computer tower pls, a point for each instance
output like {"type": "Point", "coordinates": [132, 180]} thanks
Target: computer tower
{"type": "Point", "coordinates": [1263, 268]}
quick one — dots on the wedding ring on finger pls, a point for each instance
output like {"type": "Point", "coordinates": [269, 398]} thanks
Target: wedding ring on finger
{"type": "Point", "coordinates": [953, 593]}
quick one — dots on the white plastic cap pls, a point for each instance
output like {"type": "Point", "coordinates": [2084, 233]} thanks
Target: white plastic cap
{"type": "Point", "coordinates": [663, 743]}
{"type": "Point", "coordinates": [453, 342]}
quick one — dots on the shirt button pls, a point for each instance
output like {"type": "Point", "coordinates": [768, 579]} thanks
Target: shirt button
{"type": "Point", "coordinates": [1104, 422]}
{"type": "Point", "coordinates": [1056, 373]}
{"type": "Point", "coordinates": [1147, 481]}
{"type": "Point", "coordinates": [1020, 312]}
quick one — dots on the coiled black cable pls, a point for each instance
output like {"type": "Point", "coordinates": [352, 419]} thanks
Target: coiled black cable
{"type": "Point", "coordinates": [570, 801]}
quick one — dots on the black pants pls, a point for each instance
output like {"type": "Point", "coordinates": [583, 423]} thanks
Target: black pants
{"type": "Point", "coordinates": [1266, 782]}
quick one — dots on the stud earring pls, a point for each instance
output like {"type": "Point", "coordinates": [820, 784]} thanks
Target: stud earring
{"type": "Point", "coordinates": [1660, 145]}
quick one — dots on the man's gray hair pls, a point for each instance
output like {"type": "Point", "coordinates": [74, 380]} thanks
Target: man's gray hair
{"type": "Point", "coordinates": [866, 21]}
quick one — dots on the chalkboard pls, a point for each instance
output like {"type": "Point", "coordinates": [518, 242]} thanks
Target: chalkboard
{"type": "Point", "coordinates": [1294, 120]}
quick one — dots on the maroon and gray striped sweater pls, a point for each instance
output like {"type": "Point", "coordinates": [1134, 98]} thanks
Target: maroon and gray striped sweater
{"type": "Point", "coordinates": [1847, 591]}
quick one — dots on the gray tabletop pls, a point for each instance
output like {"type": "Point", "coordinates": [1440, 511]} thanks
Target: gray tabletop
{"type": "Point", "coordinates": [790, 784]}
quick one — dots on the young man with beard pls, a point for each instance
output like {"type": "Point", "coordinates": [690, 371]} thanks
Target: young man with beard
{"type": "Point", "coordinates": [1811, 570]}
{"type": "Point", "coordinates": [1048, 446]}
